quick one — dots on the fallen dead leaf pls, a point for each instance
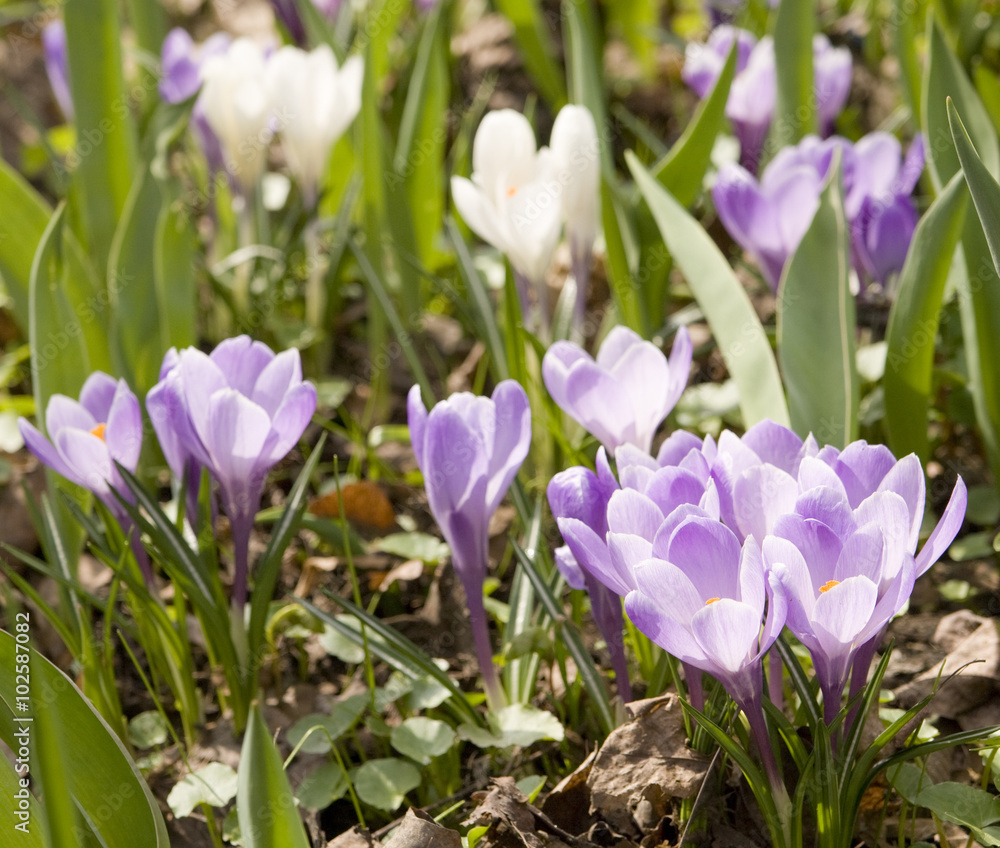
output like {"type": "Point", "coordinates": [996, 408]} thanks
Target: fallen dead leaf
{"type": "Point", "coordinates": [419, 830]}
{"type": "Point", "coordinates": [364, 503]}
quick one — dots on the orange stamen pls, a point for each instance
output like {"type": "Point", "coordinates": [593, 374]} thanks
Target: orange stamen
{"type": "Point", "coordinates": [712, 601]}
{"type": "Point", "coordinates": [826, 587]}
{"type": "Point", "coordinates": [99, 431]}
{"type": "Point", "coordinates": [511, 191]}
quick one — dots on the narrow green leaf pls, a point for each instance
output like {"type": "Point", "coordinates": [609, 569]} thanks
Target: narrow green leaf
{"type": "Point", "coordinates": [988, 87]}
{"type": "Point", "coordinates": [136, 324]}
{"type": "Point", "coordinates": [945, 77]}
{"type": "Point", "coordinates": [106, 148]}
{"type": "Point", "coordinates": [531, 33]}
{"type": "Point", "coordinates": [621, 241]}
{"type": "Point", "coordinates": [175, 257]}
{"type": "Point", "coordinates": [816, 326]}
{"type": "Point", "coordinates": [914, 318]}
{"type": "Point", "coordinates": [93, 765]}
{"type": "Point", "coordinates": [979, 292]}
{"type": "Point", "coordinates": [592, 681]}
{"type": "Point", "coordinates": [584, 52]}
{"type": "Point", "coordinates": [795, 115]}
{"type": "Point", "coordinates": [682, 170]}
{"type": "Point", "coordinates": [722, 298]}
{"type": "Point", "coordinates": [19, 809]}
{"type": "Point", "coordinates": [21, 230]}
{"type": "Point", "coordinates": [268, 815]}
{"type": "Point", "coordinates": [904, 41]}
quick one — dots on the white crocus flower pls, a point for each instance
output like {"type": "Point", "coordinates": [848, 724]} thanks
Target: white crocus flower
{"type": "Point", "coordinates": [235, 101]}
{"type": "Point", "coordinates": [314, 102]}
{"type": "Point", "coordinates": [577, 154]}
{"type": "Point", "coordinates": [513, 199]}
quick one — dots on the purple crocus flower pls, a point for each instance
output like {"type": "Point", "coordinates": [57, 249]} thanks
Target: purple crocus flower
{"type": "Point", "coordinates": [623, 396]}
{"type": "Point", "coordinates": [880, 208]}
{"type": "Point", "coordinates": [717, 592]}
{"type": "Point", "coordinates": [581, 496]}
{"type": "Point", "coordinates": [855, 524]}
{"type": "Point", "coordinates": [87, 438]}
{"type": "Point", "coordinates": [288, 13]}
{"type": "Point", "coordinates": [469, 449]}
{"type": "Point", "coordinates": [56, 66]}
{"type": "Point", "coordinates": [181, 61]}
{"type": "Point", "coordinates": [754, 93]}
{"type": "Point", "coordinates": [237, 412]}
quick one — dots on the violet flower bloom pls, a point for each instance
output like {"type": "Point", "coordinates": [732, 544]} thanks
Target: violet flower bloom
{"type": "Point", "coordinates": [580, 495]}
{"type": "Point", "coordinates": [855, 525]}
{"type": "Point", "coordinates": [181, 61]}
{"type": "Point", "coordinates": [753, 96]}
{"type": "Point", "coordinates": [288, 13]}
{"type": "Point", "coordinates": [717, 597]}
{"type": "Point", "coordinates": [86, 439]}
{"type": "Point", "coordinates": [56, 66]}
{"type": "Point", "coordinates": [881, 212]}
{"type": "Point", "coordinates": [237, 411]}
{"type": "Point", "coordinates": [623, 396]}
{"type": "Point", "coordinates": [469, 449]}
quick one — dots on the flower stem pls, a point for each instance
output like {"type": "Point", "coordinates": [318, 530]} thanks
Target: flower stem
{"type": "Point", "coordinates": [495, 697]}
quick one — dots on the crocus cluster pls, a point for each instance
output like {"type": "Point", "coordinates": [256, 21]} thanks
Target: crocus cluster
{"type": "Point", "coordinates": [236, 412]}
{"type": "Point", "coordinates": [717, 545]}
{"type": "Point", "coordinates": [520, 196]}
{"type": "Point", "coordinates": [469, 449]}
{"type": "Point", "coordinates": [769, 217]}
{"type": "Point", "coordinates": [247, 93]}
{"type": "Point", "coordinates": [754, 92]}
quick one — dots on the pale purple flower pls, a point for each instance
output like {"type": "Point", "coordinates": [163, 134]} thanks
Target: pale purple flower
{"type": "Point", "coordinates": [87, 437]}
{"type": "Point", "coordinates": [288, 13]}
{"type": "Point", "coordinates": [237, 412]}
{"type": "Point", "coordinates": [623, 396]}
{"type": "Point", "coordinates": [56, 66]}
{"type": "Point", "coordinates": [580, 496]}
{"type": "Point", "coordinates": [703, 599]}
{"type": "Point", "coordinates": [469, 449]}
{"type": "Point", "coordinates": [753, 96]}
{"type": "Point", "coordinates": [847, 553]}
{"type": "Point", "coordinates": [769, 218]}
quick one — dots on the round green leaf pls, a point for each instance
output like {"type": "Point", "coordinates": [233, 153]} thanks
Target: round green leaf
{"type": "Point", "coordinates": [147, 729]}
{"type": "Point", "coordinates": [331, 727]}
{"type": "Point", "coordinates": [336, 644]}
{"type": "Point", "coordinates": [422, 739]}
{"type": "Point", "coordinates": [322, 786]}
{"type": "Point", "coordinates": [215, 785]}
{"type": "Point", "coordinates": [384, 783]}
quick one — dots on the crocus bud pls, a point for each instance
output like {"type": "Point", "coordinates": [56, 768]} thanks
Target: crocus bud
{"type": "Point", "coordinates": [314, 102]}
{"type": "Point", "coordinates": [469, 449]}
{"type": "Point", "coordinates": [623, 396]}
{"type": "Point", "coordinates": [237, 411]}
{"type": "Point", "coordinates": [513, 200]}
{"type": "Point", "coordinates": [236, 105]}
{"type": "Point", "coordinates": [54, 44]}
{"type": "Point", "coordinates": [703, 63]}
{"type": "Point", "coordinates": [832, 73]}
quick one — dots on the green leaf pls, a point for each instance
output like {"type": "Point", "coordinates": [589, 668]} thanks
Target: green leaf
{"type": "Point", "coordinates": [682, 170]}
{"type": "Point", "coordinates": [979, 292]}
{"type": "Point", "coordinates": [584, 51]}
{"type": "Point", "coordinates": [532, 36]}
{"type": "Point", "coordinates": [421, 739]}
{"type": "Point", "coordinates": [214, 784]}
{"type": "Point", "coordinates": [795, 114]}
{"type": "Point", "coordinates": [328, 728]}
{"type": "Point", "coordinates": [322, 786]}
{"type": "Point", "coordinates": [816, 326]}
{"type": "Point", "coordinates": [21, 228]}
{"type": "Point", "coordinates": [92, 763]}
{"type": "Point", "coordinates": [264, 800]}
{"type": "Point", "coordinates": [384, 783]}
{"type": "Point", "coordinates": [965, 805]}
{"type": "Point", "coordinates": [737, 329]}
{"type": "Point", "coordinates": [175, 257]}
{"type": "Point", "coordinates": [136, 326]}
{"type": "Point", "coordinates": [147, 729]}
{"type": "Point", "coordinates": [945, 77]}
{"type": "Point", "coordinates": [19, 809]}
{"type": "Point", "coordinates": [336, 644]}
{"type": "Point", "coordinates": [105, 153]}
{"type": "Point", "coordinates": [914, 319]}
{"type": "Point", "coordinates": [517, 724]}
{"type": "Point", "coordinates": [422, 546]}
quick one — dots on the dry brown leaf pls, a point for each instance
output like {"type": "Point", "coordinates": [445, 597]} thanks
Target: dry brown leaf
{"type": "Point", "coordinates": [364, 503]}
{"type": "Point", "coordinates": [419, 830]}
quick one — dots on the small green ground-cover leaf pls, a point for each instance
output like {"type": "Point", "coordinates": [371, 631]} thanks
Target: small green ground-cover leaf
{"type": "Point", "coordinates": [322, 786]}
{"type": "Point", "coordinates": [517, 724]}
{"type": "Point", "coordinates": [383, 783]}
{"type": "Point", "coordinates": [423, 546]}
{"type": "Point", "coordinates": [148, 729]}
{"type": "Point", "coordinates": [421, 739]}
{"type": "Point", "coordinates": [330, 727]}
{"type": "Point", "coordinates": [214, 784]}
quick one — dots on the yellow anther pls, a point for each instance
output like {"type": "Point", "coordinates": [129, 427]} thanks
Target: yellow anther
{"type": "Point", "coordinates": [712, 601]}
{"type": "Point", "coordinates": [99, 431]}
{"type": "Point", "coordinates": [826, 587]}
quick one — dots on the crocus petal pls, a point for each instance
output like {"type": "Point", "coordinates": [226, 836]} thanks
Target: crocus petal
{"type": "Point", "coordinates": [97, 395]}
{"type": "Point", "coordinates": [760, 496]}
{"type": "Point", "coordinates": [88, 457]}
{"type": "Point", "coordinates": [503, 151]}
{"type": "Point", "coordinates": [123, 434]}
{"type": "Point", "coordinates": [569, 568]}
{"type": "Point", "coordinates": [727, 631]}
{"type": "Point", "coordinates": [709, 554]}
{"type": "Point", "coordinates": [239, 432]}
{"type": "Point", "coordinates": [243, 360]}
{"type": "Point", "coordinates": [291, 420]}
{"type": "Point", "coordinates": [63, 412]}
{"type": "Point", "coordinates": [43, 449]}
{"type": "Point", "coordinates": [456, 464]}
{"type": "Point", "coordinates": [648, 616]}
{"type": "Point", "coordinates": [416, 414]}
{"type": "Point", "coordinates": [479, 213]}
{"type": "Point", "coordinates": [511, 441]}
{"type": "Point", "coordinates": [776, 445]}
{"type": "Point", "coordinates": [275, 379]}
{"type": "Point", "coordinates": [946, 530]}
